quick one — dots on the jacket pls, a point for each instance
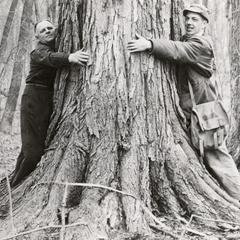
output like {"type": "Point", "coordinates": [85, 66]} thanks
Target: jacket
{"type": "Point", "coordinates": [44, 62]}
{"type": "Point", "coordinates": [195, 60]}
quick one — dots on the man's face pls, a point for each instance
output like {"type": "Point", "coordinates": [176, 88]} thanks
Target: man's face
{"type": "Point", "coordinates": [194, 23]}
{"type": "Point", "coordinates": [45, 32]}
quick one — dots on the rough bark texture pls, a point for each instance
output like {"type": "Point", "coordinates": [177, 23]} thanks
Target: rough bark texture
{"type": "Point", "coordinates": [235, 86]}
{"type": "Point", "coordinates": [117, 123]}
{"type": "Point", "coordinates": [18, 68]}
{"type": "Point", "coordinates": [219, 29]}
{"type": "Point", "coordinates": [10, 20]}
{"type": "Point", "coordinates": [7, 27]}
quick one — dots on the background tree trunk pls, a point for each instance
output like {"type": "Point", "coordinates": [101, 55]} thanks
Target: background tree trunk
{"type": "Point", "coordinates": [7, 28]}
{"type": "Point", "coordinates": [235, 86]}
{"type": "Point", "coordinates": [119, 125]}
{"type": "Point", "coordinates": [22, 53]}
{"type": "Point", "coordinates": [11, 13]}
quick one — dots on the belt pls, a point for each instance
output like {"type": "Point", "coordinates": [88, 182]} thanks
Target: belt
{"type": "Point", "coordinates": [37, 85]}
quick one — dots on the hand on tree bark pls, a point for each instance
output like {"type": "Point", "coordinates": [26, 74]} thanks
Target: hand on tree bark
{"type": "Point", "coordinates": [78, 57]}
{"type": "Point", "coordinates": [139, 45]}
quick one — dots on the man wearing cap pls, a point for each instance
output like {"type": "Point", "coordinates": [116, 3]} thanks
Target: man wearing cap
{"type": "Point", "coordinates": [36, 104]}
{"type": "Point", "coordinates": [195, 59]}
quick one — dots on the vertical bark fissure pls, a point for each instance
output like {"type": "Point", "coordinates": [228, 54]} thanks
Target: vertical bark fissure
{"type": "Point", "coordinates": [67, 43]}
{"type": "Point", "coordinates": [36, 10]}
{"type": "Point", "coordinates": [235, 86]}
{"type": "Point", "coordinates": [10, 107]}
{"type": "Point", "coordinates": [7, 27]}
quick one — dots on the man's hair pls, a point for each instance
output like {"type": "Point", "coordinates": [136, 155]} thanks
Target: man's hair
{"type": "Point", "coordinates": [35, 26]}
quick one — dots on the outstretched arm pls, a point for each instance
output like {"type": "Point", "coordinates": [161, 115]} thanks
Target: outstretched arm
{"type": "Point", "coordinates": [185, 52]}
{"type": "Point", "coordinates": [196, 50]}
{"type": "Point", "coordinates": [58, 59]}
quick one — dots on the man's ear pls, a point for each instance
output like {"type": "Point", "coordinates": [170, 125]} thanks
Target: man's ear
{"type": "Point", "coordinates": [205, 23]}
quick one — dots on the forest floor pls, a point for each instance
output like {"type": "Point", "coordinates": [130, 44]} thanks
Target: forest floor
{"type": "Point", "coordinates": [10, 145]}
{"type": "Point", "coordinates": [9, 149]}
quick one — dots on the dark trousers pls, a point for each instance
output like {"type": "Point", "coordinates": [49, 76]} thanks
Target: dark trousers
{"type": "Point", "coordinates": [36, 109]}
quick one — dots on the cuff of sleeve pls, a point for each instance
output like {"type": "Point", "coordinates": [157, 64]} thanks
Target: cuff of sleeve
{"type": "Point", "coordinates": [150, 50]}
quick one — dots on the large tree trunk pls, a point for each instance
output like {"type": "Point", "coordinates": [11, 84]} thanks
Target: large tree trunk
{"type": "Point", "coordinates": [117, 123]}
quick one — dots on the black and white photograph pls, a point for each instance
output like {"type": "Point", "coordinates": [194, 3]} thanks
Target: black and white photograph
{"type": "Point", "coordinates": [119, 120]}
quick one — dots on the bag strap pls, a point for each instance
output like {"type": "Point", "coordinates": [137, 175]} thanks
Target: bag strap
{"type": "Point", "coordinates": [217, 90]}
{"type": "Point", "coordinates": [216, 85]}
{"type": "Point", "coordinates": [191, 94]}
{"type": "Point", "coordinates": [215, 74]}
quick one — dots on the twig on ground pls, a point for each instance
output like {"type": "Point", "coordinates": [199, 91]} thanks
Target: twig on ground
{"type": "Point", "coordinates": [62, 232]}
{"type": "Point", "coordinates": [43, 228]}
{"type": "Point", "coordinates": [163, 227]}
{"type": "Point", "coordinates": [216, 220]}
{"type": "Point", "coordinates": [206, 219]}
{"type": "Point", "coordinates": [186, 227]}
{"type": "Point", "coordinates": [154, 226]}
{"type": "Point", "coordinates": [10, 202]}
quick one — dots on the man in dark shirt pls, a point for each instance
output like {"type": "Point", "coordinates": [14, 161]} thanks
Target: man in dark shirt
{"type": "Point", "coordinates": [36, 104]}
{"type": "Point", "coordinates": [195, 58]}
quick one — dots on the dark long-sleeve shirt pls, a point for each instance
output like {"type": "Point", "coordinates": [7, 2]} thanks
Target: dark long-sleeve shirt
{"type": "Point", "coordinates": [194, 56]}
{"type": "Point", "coordinates": [44, 63]}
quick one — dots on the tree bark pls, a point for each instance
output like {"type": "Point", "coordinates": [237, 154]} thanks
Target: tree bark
{"type": "Point", "coordinates": [117, 123]}
{"type": "Point", "coordinates": [18, 68]}
{"type": "Point", "coordinates": [46, 9]}
{"type": "Point", "coordinates": [7, 27]}
{"type": "Point", "coordinates": [10, 20]}
{"type": "Point", "coordinates": [235, 86]}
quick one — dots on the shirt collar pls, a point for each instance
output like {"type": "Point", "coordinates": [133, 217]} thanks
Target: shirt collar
{"type": "Point", "coordinates": [186, 37]}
